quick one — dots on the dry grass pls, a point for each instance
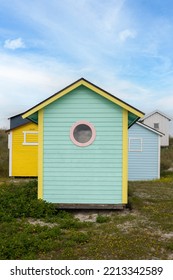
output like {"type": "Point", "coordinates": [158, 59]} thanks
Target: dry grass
{"type": "Point", "coordinates": [167, 157]}
{"type": "Point", "coordinates": [3, 153]}
{"type": "Point", "coordinates": [33, 230]}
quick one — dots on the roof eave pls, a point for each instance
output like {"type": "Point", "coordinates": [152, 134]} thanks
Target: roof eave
{"type": "Point", "coordinates": [150, 128]}
{"type": "Point", "coordinates": [91, 86]}
{"type": "Point", "coordinates": [154, 112]}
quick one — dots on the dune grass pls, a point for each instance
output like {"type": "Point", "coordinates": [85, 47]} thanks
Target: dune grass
{"type": "Point", "coordinates": [3, 153]}
{"type": "Point", "coordinates": [34, 229]}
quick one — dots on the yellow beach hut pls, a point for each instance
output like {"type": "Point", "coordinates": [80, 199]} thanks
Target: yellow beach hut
{"type": "Point", "coordinates": [23, 147]}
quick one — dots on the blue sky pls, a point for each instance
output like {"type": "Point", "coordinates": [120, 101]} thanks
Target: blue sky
{"type": "Point", "coordinates": [123, 46]}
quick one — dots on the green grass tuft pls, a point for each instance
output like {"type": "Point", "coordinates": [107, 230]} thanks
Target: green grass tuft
{"type": "Point", "coordinates": [102, 219]}
{"type": "Point", "coordinates": [3, 153]}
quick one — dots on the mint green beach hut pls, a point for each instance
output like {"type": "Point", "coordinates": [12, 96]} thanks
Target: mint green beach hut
{"type": "Point", "coordinates": [83, 147]}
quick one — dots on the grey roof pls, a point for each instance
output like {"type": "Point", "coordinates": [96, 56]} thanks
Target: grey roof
{"type": "Point", "coordinates": [17, 121]}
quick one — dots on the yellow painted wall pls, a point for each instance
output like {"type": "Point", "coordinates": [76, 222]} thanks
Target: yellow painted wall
{"type": "Point", "coordinates": [24, 157]}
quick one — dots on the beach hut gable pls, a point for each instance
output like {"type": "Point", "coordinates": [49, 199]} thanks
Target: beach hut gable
{"type": "Point", "coordinates": [134, 114]}
{"type": "Point", "coordinates": [83, 147]}
{"type": "Point", "coordinates": [161, 122]}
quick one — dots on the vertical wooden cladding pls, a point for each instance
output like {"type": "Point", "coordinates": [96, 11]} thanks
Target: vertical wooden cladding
{"type": "Point", "coordinates": [91, 174]}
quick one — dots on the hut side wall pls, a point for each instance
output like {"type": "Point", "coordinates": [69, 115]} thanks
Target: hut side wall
{"type": "Point", "coordinates": [144, 154]}
{"type": "Point", "coordinates": [23, 160]}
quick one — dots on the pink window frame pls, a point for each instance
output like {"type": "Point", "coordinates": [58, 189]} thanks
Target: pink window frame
{"type": "Point", "coordinates": [91, 126]}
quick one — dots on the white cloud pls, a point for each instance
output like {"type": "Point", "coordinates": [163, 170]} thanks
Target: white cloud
{"type": "Point", "coordinates": [80, 49]}
{"type": "Point", "coordinates": [27, 81]}
{"type": "Point", "coordinates": [14, 44]}
{"type": "Point", "coordinates": [127, 33]}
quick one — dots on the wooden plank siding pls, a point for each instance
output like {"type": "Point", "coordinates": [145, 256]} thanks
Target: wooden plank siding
{"type": "Point", "coordinates": [89, 175]}
{"type": "Point", "coordinates": [163, 126]}
{"type": "Point", "coordinates": [144, 164]}
{"type": "Point", "coordinates": [23, 159]}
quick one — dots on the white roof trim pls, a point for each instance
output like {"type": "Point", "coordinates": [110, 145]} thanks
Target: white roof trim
{"type": "Point", "coordinates": [158, 112]}
{"type": "Point", "coordinates": [150, 128]}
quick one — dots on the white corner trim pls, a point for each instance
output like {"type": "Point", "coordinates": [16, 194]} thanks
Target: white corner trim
{"type": "Point", "coordinates": [10, 145]}
{"type": "Point", "coordinates": [159, 155]}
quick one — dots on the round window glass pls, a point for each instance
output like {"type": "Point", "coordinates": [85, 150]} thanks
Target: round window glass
{"type": "Point", "coordinates": [82, 133]}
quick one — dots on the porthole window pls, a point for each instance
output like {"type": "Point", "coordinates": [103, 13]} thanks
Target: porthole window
{"type": "Point", "coordinates": [82, 133]}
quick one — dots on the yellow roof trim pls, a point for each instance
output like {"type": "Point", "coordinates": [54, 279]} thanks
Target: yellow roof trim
{"type": "Point", "coordinates": [90, 86]}
{"type": "Point", "coordinates": [51, 99]}
{"type": "Point", "coordinates": [114, 99]}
